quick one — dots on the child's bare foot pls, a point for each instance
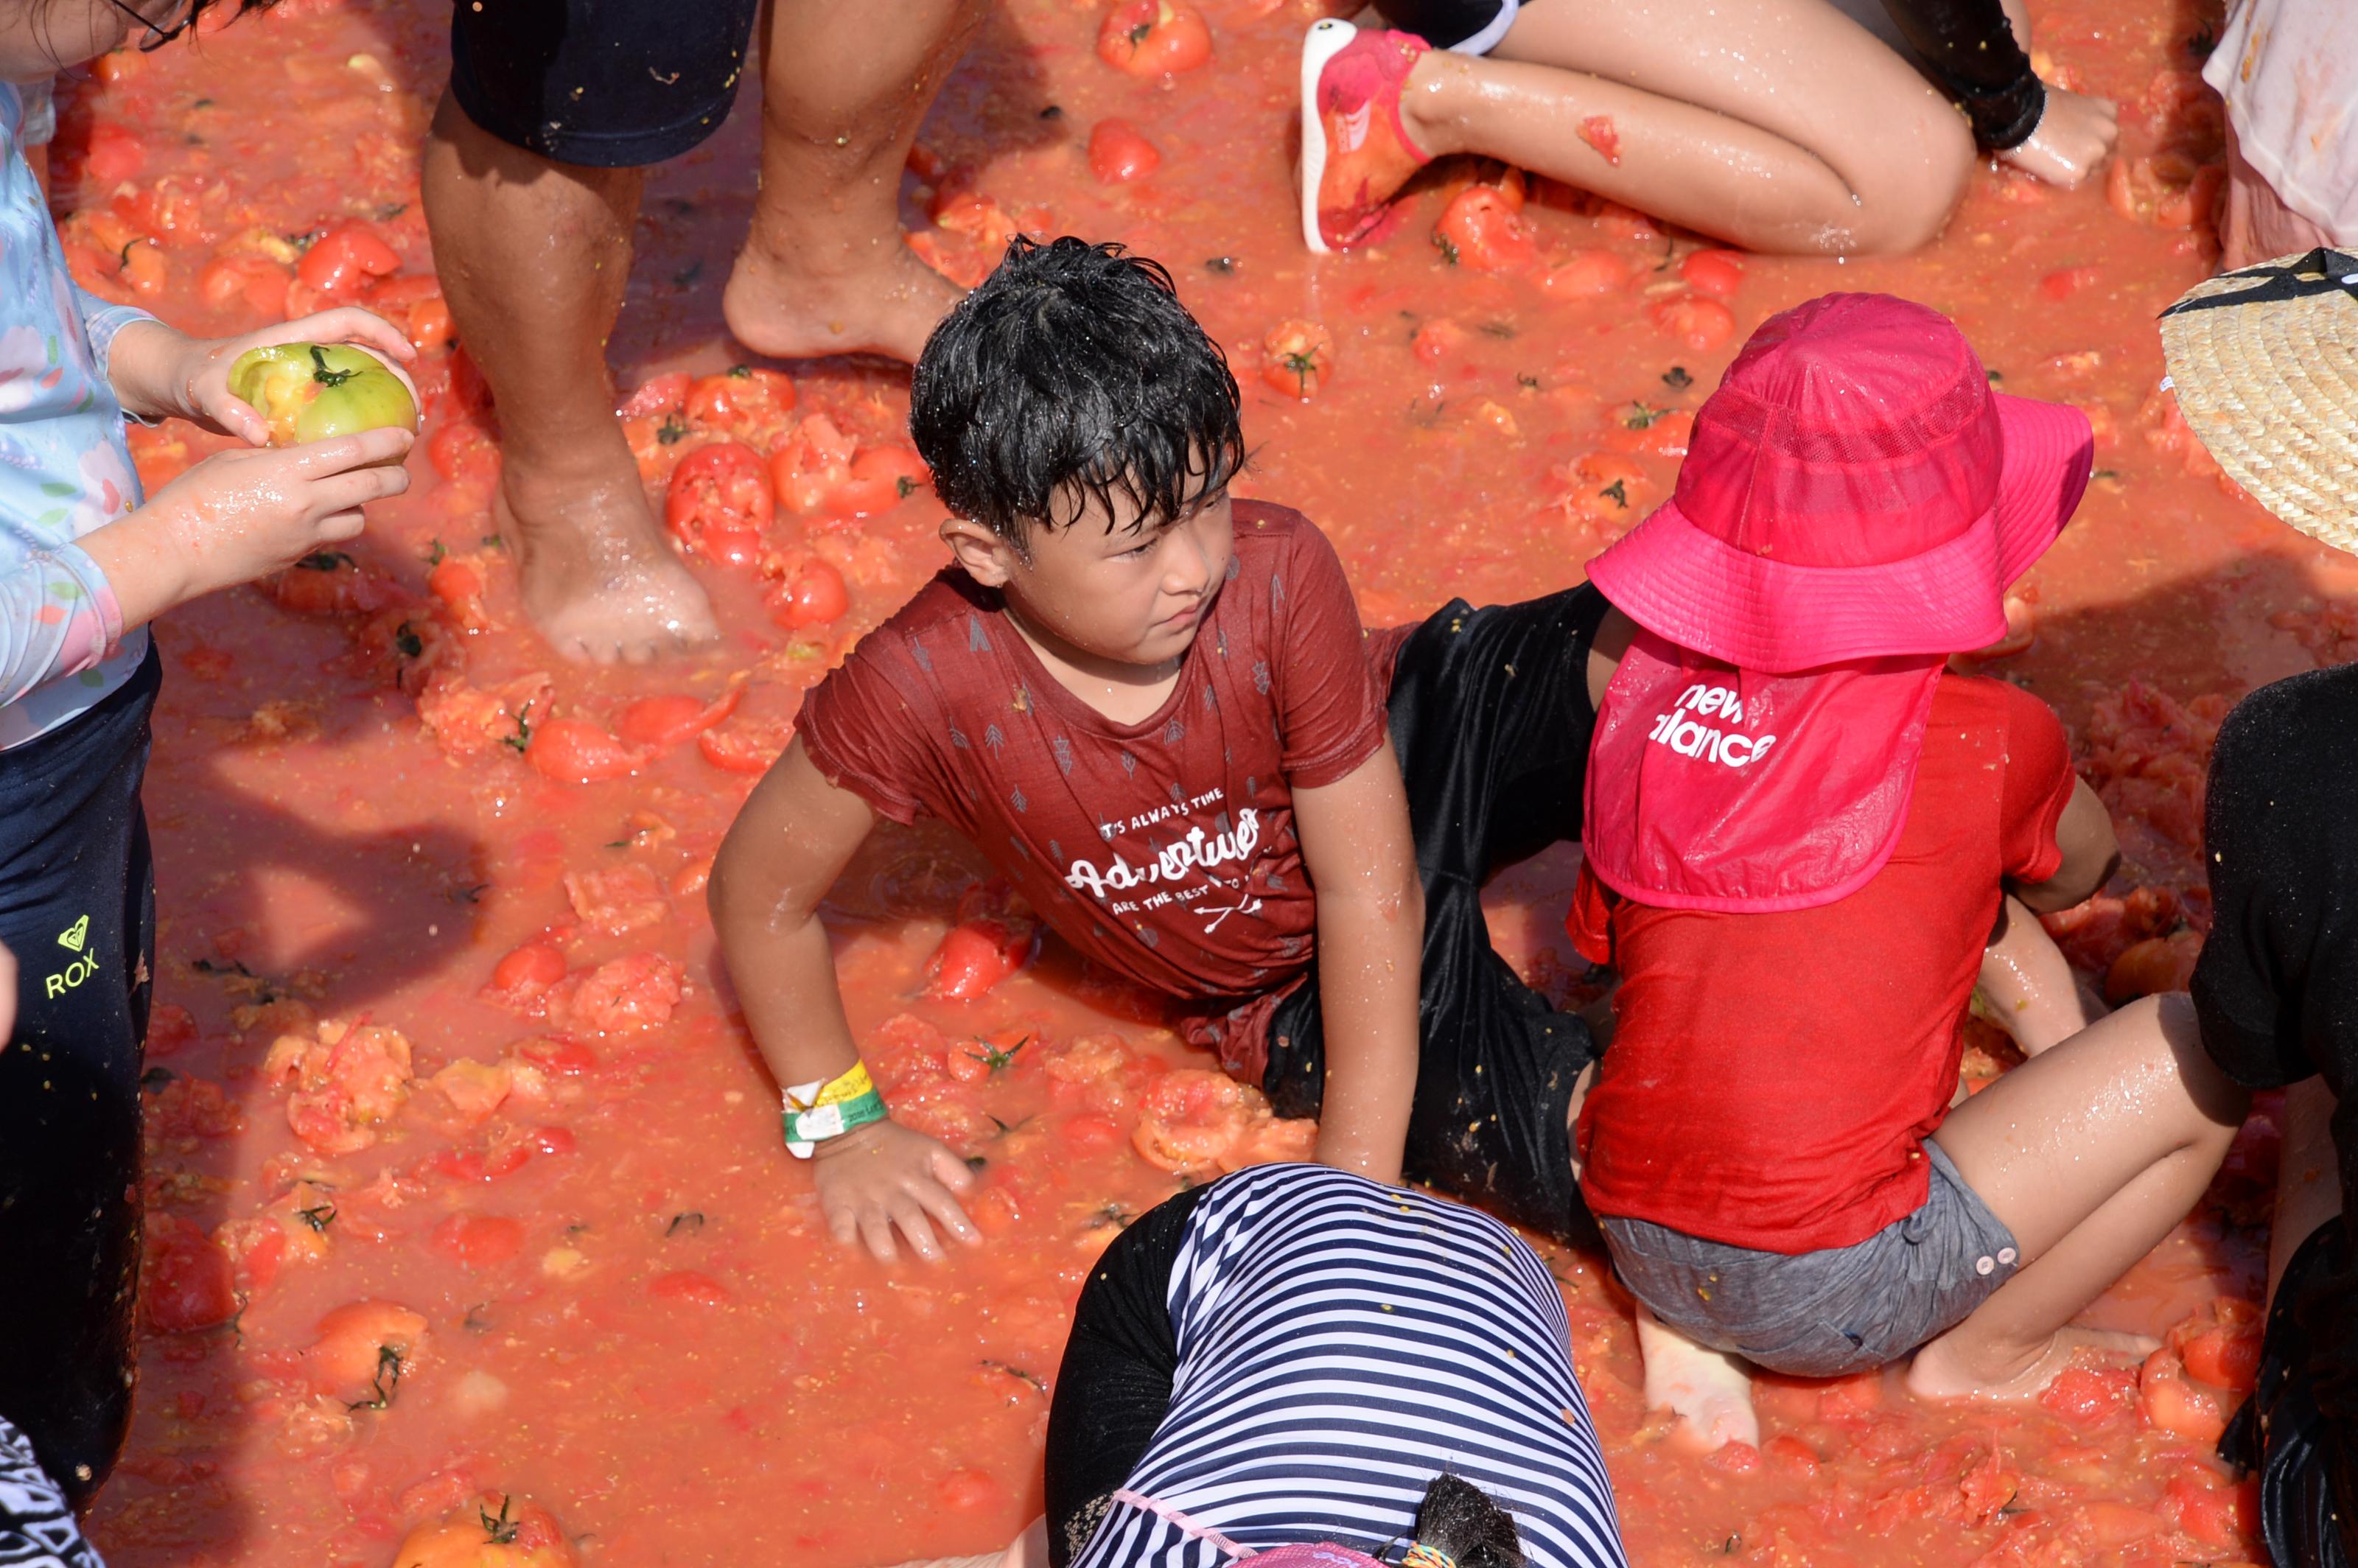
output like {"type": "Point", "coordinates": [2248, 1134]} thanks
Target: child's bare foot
{"type": "Point", "coordinates": [886, 302]}
{"type": "Point", "coordinates": [1948, 1370]}
{"type": "Point", "coordinates": [596, 575]}
{"type": "Point", "coordinates": [1710, 1389]}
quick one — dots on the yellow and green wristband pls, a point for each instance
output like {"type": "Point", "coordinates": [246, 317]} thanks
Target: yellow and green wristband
{"type": "Point", "coordinates": [818, 1110]}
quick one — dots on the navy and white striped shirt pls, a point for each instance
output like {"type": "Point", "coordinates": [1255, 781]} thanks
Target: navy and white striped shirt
{"type": "Point", "coordinates": [1340, 1343]}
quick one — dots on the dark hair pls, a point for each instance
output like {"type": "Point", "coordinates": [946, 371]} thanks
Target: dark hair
{"type": "Point", "coordinates": [1459, 1518]}
{"type": "Point", "coordinates": [153, 36]}
{"type": "Point", "coordinates": [1074, 372]}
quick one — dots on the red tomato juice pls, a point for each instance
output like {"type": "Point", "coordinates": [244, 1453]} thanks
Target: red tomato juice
{"type": "Point", "coordinates": [633, 1315]}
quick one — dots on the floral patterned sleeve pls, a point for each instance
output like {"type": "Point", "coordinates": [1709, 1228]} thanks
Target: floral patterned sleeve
{"type": "Point", "coordinates": [57, 618]}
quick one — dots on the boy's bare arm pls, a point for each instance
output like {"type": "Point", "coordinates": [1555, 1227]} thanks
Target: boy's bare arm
{"type": "Point", "coordinates": [792, 839]}
{"type": "Point", "coordinates": [2090, 853]}
{"type": "Point", "coordinates": [1357, 846]}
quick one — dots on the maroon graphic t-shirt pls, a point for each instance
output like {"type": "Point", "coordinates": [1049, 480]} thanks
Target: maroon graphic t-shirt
{"type": "Point", "coordinates": [1164, 850]}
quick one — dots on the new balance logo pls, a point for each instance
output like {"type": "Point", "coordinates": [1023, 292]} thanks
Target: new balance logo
{"type": "Point", "coordinates": [1684, 731]}
{"type": "Point", "coordinates": [74, 935]}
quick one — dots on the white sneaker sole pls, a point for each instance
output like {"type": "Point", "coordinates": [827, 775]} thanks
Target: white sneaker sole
{"type": "Point", "coordinates": [1322, 43]}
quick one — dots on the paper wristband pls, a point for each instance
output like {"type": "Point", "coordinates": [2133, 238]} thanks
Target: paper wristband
{"type": "Point", "coordinates": [815, 1112]}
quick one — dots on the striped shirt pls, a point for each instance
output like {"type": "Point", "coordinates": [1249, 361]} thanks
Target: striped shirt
{"type": "Point", "coordinates": [1340, 1343]}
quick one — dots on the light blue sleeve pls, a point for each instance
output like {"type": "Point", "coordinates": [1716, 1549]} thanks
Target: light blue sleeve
{"type": "Point", "coordinates": [57, 617]}
{"type": "Point", "coordinates": [103, 319]}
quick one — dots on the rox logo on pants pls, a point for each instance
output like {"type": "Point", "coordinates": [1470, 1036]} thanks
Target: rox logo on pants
{"type": "Point", "coordinates": [1686, 734]}
{"type": "Point", "coordinates": [75, 939]}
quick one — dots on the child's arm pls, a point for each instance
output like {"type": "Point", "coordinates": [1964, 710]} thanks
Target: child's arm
{"type": "Point", "coordinates": [788, 845]}
{"type": "Point", "coordinates": [2028, 985]}
{"type": "Point", "coordinates": [2084, 833]}
{"type": "Point", "coordinates": [1356, 847]}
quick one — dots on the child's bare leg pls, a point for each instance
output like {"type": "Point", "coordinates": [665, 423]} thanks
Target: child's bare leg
{"type": "Point", "coordinates": [1711, 1388]}
{"type": "Point", "coordinates": [2029, 985]}
{"type": "Point", "coordinates": [1028, 1550]}
{"type": "Point", "coordinates": [2090, 1153]}
{"type": "Point", "coordinates": [1779, 124]}
{"type": "Point", "coordinates": [2308, 1174]}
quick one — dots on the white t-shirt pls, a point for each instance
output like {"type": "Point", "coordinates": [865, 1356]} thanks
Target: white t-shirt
{"type": "Point", "coordinates": [2288, 71]}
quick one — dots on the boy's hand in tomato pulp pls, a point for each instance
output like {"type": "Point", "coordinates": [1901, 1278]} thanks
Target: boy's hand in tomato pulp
{"type": "Point", "coordinates": [243, 515]}
{"type": "Point", "coordinates": [884, 1175]}
{"type": "Point", "coordinates": [159, 373]}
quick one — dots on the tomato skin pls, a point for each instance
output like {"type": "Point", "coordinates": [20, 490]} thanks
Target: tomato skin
{"type": "Point", "coordinates": [1298, 357]}
{"type": "Point", "coordinates": [191, 1283]}
{"type": "Point", "coordinates": [1089, 1133]}
{"type": "Point", "coordinates": [1698, 323]}
{"type": "Point", "coordinates": [742, 399]}
{"type": "Point", "coordinates": [533, 1539]}
{"type": "Point", "coordinates": [345, 258]}
{"type": "Point", "coordinates": [558, 1053]}
{"type": "Point", "coordinates": [744, 747]}
{"type": "Point", "coordinates": [813, 596]}
{"type": "Point", "coordinates": [343, 1359]}
{"type": "Point", "coordinates": [2156, 964]}
{"type": "Point", "coordinates": [1717, 272]}
{"type": "Point", "coordinates": [975, 956]}
{"type": "Point", "coordinates": [113, 156]}
{"type": "Point", "coordinates": [688, 1285]}
{"type": "Point", "coordinates": [720, 499]}
{"type": "Point", "coordinates": [462, 449]}
{"type": "Point", "coordinates": [257, 282]}
{"type": "Point", "coordinates": [574, 750]}
{"type": "Point", "coordinates": [657, 396]}
{"type": "Point", "coordinates": [2065, 282]}
{"type": "Point", "coordinates": [1584, 275]}
{"type": "Point", "coordinates": [1118, 154]}
{"type": "Point", "coordinates": [534, 967]}
{"type": "Point", "coordinates": [478, 1241]}
{"type": "Point", "coordinates": [672, 717]}
{"type": "Point", "coordinates": [1154, 37]}
{"type": "Point", "coordinates": [1479, 230]}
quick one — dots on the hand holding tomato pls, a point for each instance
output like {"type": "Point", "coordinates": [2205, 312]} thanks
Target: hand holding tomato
{"type": "Point", "coordinates": [885, 1177]}
{"type": "Point", "coordinates": [158, 372]}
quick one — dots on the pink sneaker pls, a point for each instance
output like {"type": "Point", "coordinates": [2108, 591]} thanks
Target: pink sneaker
{"type": "Point", "coordinates": [1356, 153]}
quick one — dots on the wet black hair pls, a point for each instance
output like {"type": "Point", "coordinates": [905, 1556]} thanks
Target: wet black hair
{"type": "Point", "coordinates": [1073, 373]}
{"type": "Point", "coordinates": [1460, 1519]}
{"type": "Point", "coordinates": [144, 38]}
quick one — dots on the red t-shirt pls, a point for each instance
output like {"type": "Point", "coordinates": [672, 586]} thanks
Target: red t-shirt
{"type": "Point", "coordinates": [1773, 1076]}
{"type": "Point", "coordinates": [1164, 850]}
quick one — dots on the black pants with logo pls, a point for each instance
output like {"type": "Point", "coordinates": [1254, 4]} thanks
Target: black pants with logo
{"type": "Point", "coordinates": [77, 908]}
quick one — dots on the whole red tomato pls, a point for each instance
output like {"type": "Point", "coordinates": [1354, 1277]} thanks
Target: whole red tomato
{"type": "Point", "coordinates": [1297, 357]}
{"type": "Point", "coordinates": [720, 501]}
{"type": "Point", "coordinates": [347, 258]}
{"type": "Point", "coordinates": [813, 595]}
{"type": "Point", "coordinates": [742, 399]}
{"type": "Point", "coordinates": [1480, 229]}
{"type": "Point", "coordinates": [1118, 153]}
{"type": "Point", "coordinates": [1154, 37]}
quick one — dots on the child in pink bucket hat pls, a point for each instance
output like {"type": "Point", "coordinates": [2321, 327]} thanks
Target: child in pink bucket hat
{"type": "Point", "coordinates": [1801, 833]}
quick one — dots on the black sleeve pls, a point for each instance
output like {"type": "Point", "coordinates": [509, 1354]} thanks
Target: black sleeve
{"type": "Point", "coordinates": [1970, 49]}
{"type": "Point", "coordinates": [2264, 861]}
{"type": "Point", "coordinates": [1114, 1384]}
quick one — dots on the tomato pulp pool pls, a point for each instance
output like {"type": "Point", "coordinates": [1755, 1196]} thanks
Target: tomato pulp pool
{"type": "Point", "coordinates": [464, 1181]}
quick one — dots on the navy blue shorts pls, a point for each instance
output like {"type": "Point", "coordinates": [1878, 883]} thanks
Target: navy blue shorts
{"type": "Point", "coordinates": [77, 909]}
{"type": "Point", "coordinates": [603, 84]}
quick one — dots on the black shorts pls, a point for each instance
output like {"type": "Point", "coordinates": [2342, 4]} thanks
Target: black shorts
{"type": "Point", "coordinates": [77, 909]}
{"type": "Point", "coordinates": [2309, 1470]}
{"type": "Point", "coordinates": [1490, 717]}
{"type": "Point", "coordinates": [1114, 1385]}
{"type": "Point", "coordinates": [603, 84]}
{"type": "Point", "coordinates": [1468, 27]}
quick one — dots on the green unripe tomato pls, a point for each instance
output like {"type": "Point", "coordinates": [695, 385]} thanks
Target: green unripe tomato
{"type": "Point", "coordinates": [309, 391]}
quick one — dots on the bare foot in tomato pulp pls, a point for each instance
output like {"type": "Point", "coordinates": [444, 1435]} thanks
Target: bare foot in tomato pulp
{"type": "Point", "coordinates": [597, 576]}
{"type": "Point", "coordinates": [888, 303]}
{"type": "Point", "coordinates": [1942, 1370]}
{"type": "Point", "coordinates": [1711, 1390]}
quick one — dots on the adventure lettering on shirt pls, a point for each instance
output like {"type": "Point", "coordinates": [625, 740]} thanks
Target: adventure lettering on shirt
{"type": "Point", "coordinates": [1198, 851]}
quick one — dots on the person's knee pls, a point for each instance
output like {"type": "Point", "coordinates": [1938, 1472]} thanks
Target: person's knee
{"type": "Point", "coordinates": [1911, 180]}
{"type": "Point", "coordinates": [2173, 1050]}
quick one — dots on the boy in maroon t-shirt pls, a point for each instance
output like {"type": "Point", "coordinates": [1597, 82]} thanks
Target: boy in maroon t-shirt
{"type": "Point", "coordinates": [1155, 711]}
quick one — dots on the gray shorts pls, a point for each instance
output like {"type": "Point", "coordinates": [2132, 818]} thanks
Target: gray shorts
{"type": "Point", "coordinates": [1822, 1314]}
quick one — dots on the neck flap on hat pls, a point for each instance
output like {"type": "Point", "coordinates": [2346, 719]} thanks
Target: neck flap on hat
{"type": "Point", "coordinates": [1714, 787]}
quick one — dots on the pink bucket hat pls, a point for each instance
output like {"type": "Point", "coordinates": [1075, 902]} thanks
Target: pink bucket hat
{"type": "Point", "coordinates": [1853, 490]}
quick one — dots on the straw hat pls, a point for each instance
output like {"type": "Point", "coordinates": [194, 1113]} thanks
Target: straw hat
{"type": "Point", "coordinates": [2265, 363]}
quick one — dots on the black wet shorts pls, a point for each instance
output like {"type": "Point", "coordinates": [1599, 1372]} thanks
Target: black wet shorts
{"type": "Point", "coordinates": [77, 909]}
{"type": "Point", "coordinates": [1490, 717]}
{"type": "Point", "coordinates": [1467, 27]}
{"type": "Point", "coordinates": [2308, 1467]}
{"type": "Point", "coordinates": [605, 83]}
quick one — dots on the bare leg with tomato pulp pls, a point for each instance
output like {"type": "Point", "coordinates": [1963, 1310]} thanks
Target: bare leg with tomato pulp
{"type": "Point", "coordinates": [825, 270]}
{"type": "Point", "coordinates": [2028, 984]}
{"type": "Point", "coordinates": [2091, 1154]}
{"type": "Point", "coordinates": [533, 255]}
